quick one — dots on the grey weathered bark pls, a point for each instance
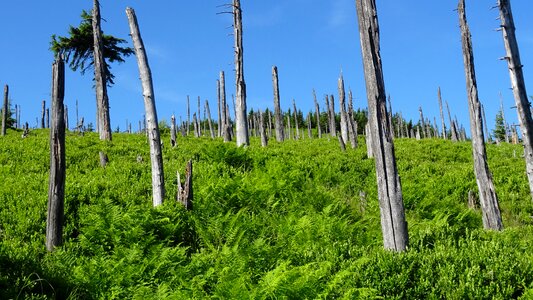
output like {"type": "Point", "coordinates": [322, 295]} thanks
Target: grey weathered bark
{"type": "Point", "coordinates": [226, 128]}
{"type": "Point", "coordinates": [208, 112]}
{"type": "Point", "coordinates": [441, 114]}
{"type": "Point", "coordinates": [173, 130]}
{"type": "Point", "coordinates": [393, 223]}
{"type": "Point", "coordinates": [219, 110]}
{"type": "Point", "coordinates": [309, 131]}
{"type": "Point", "coordinates": [369, 143]}
{"type": "Point", "coordinates": [264, 139]}
{"type": "Point", "coordinates": [269, 124]}
{"type": "Point", "coordinates": [195, 125]}
{"type": "Point", "coordinates": [56, 185]}
{"type": "Point", "coordinates": [518, 85]}
{"type": "Point", "coordinates": [103, 159]}
{"type": "Point", "coordinates": [422, 123]}
{"type": "Point", "coordinates": [389, 116]}
{"type": "Point", "coordinates": [453, 128]}
{"type": "Point", "coordinates": [240, 95]}
{"type": "Point", "coordinates": [66, 117]}
{"type": "Point", "coordinates": [278, 120]}
{"type": "Point", "coordinates": [317, 108]}
{"type": "Point", "coordinates": [43, 114]}
{"type": "Point", "coordinates": [328, 115]}
{"type": "Point", "coordinates": [5, 108]}
{"type": "Point", "coordinates": [104, 123]}
{"type": "Point", "coordinates": [343, 115]}
{"type": "Point", "coordinates": [199, 120]}
{"type": "Point", "coordinates": [332, 123]}
{"type": "Point", "coordinates": [352, 125]}
{"type": "Point", "coordinates": [487, 192]}
{"type": "Point", "coordinates": [47, 118]}
{"type": "Point", "coordinates": [485, 128]}
{"type": "Point", "coordinates": [289, 127]}
{"type": "Point", "coordinates": [185, 194]}
{"type": "Point", "coordinates": [188, 114]}
{"type": "Point", "coordinates": [297, 136]}
{"type": "Point", "coordinates": [156, 156]}
{"type": "Point", "coordinates": [342, 144]}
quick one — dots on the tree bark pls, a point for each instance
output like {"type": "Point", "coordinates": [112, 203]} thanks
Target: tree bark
{"type": "Point", "coordinates": [332, 123]}
{"type": "Point", "coordinates": [173, 130]}
{"type": "Point", "coordinates": [226, 129]}
{"type": "Point", "coordinates": [104, 123]}
{"type": "Point", "coordinates": [441, 114]}
{"type": "Point", "coordinates": [5, 109]}
{"type": "Point", "coordinates": [506, 127]}
{"type": "Point", "coordinates": [453, 128]}
{"type": "Point", "coordinates": [211, 130]}
{"type": "Point", "coordinates": [297, 136]}
{"type": "Point", "coordinates": [264, 139]}
{"type": "Point", "coordinates": [185, 194]}
{"type": "Point", "coordinates": [343, 115]}
{"type": "Point", "coordinates": [240, 95]}
{"type": "Point", "coordinates": [278, 120]}
{"type": "Point", "coordinates": [393, 223]}
{"type": "Point", "coordinates": [352, 125]}
{"type": "Point", "coordinates": [156, 156]}
{"type": "Point", "coordinates": [518, 85]}
{"type": "Point", "coordinates": [422, 123]}
{"type": "Point", "coordinates": [317, 108]}
{"type": "Point", "coordinates": [43, 115]}
{"type": "Point", "coordinates": [309, 131]}
{"type": "Point", "coordinates": [56, 186]}
{"type": "Point", "coordinates": [219, 110]}
{"type": "Point", "coordinates": [487, 192]}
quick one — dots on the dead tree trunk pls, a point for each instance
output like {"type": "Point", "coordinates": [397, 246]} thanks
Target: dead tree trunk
{"type": "Point", "coordinates": [369, 143]}
{"type": "Point", "coordinates": [173, 131]}
{"type": "Point", "coordinates": [389, 116]}
{"type": "Point", "coordinates": [441, 114]}
{"type": "Point", "coordinates": [5, 109]}
{"type": "Point", "coordinates": [47, 118]}
{"type": "Point", "coordinates": [297, 136]}
{"type": "Point", "coordinates": [393, 223]}
{"type": "Point", "coordinates": [309, 131]}
{"type": "Point", "coordinates": [343, 115]}
{"type": "Point", "coordinates": [66, 117]}
{"type": "Point", "coordinates": [341, 143]}
{"type": "Point", "coordinates": [352, 125]}
{"type": "Point", "coordinates": [209, 119]}
{"type": "Point", "coordinates": [518, 85]}
{"type": "Point", "coordinates": [485, 128]}
{"type": "Point", "coordinates": [156, 156]}
{"type": "Point", "coordinates": [422, 123]}
{"type": "Point", "coordinates": [104, 123]}
{"type": "Point", "coordinates": [264, 139]}
{"type": "Point", "coordinates": [43, 115]}
{"type": "Point", "coordinates": [199, 120]}
{"type": "Point", "coordinates": [188, 114]}
{"type": "Point", "coordinates": [226, 126]}
{"type": "Point", "coordinates": [487, 192]}
{"type": "Point", "coordinates": [278, 120]}
{"type": "Point", "coordinates": [195, 125]}
{"type": "Point", "coordinates": [219, 120]}
{"type": "Point", "coordinates": [289, 127]}
{"type": "Point", "coordinates": [317, 108]}
{"type": "Point", "coordinates": [240, 95]}
{"type": "Point", "coordinates": [185, 194]}
{"type": "Point", "coordinates": [56, 185]}
{"type": "Point", "coordinates": [453, 128]}
{"type": "Point", "coordinates": [332, 123]}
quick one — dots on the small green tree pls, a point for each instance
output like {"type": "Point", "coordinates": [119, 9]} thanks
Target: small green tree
{"type": "Point", "coordinates": [499, 130]}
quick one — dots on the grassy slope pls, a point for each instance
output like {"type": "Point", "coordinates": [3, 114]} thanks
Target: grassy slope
{"type": "Point", "coordinates": [294, 220]}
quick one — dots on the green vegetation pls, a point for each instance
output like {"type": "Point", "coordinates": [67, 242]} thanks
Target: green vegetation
{"type": "Point", "coordinates": [295, 220]}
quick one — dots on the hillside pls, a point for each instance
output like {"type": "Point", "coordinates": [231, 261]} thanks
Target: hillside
{"type": "Point", "coordinates": [295, 220]}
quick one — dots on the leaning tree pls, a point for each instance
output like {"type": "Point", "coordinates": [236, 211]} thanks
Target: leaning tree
{"type": "Point", "coordinates": [86, 48]}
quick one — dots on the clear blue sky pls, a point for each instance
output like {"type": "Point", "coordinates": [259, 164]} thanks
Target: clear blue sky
{"type": "Point", "coordinates": [188, 43]}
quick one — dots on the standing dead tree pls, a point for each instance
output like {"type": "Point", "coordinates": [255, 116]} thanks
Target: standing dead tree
{"type": "Point", "coordinates": [317, 108]}
{"type": "Point", "coordinates": [226, 126]}
{"type": "Point", "coordinates": [43, 114]}
{"type": "Point", "coordinates": [208, 112]}
{"type": "Point", "coordinates": [5, 109]}
{"type": "Point", "coordinates": [185, 194]}
{"type": "Point", "coordinates": [519, 87]}
{"type": "Point", "coordinates": [156, 156]}
{"type": "Point", "coordinates": [297, 136]}
{"type": "Point", "coordinates": [453, 126]}
{"type": "Point", "coordinates": [278, 119]}
{"type": "Point", "coordinates": [332, 125]}
{"type": "Point", "coordinates": [342, 104]}
{"type": "Point", "coordinates": [242, 137]}
{"type": "Point", "coordinates": [56, 185]}
{"type": "Point", "coordinates": [487, 192]}
{"type": "Point", "coordinates": [441, 114]}
{"type": "Point", "coordinates": [352, 125]}
{"type": "Point", "coordinates": [173, 130]}
{"type": "Point", "coordinates": [262, 131]}
{"type": "Point", "coordinates": [505, 125]}
{"type": "Point", "coordinates": [219, 110]}
{"type": "Point", "coordinates": [393, 223]}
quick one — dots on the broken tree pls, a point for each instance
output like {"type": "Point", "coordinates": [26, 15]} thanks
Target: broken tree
{"type": "Point", "coordinates": [242, 137]}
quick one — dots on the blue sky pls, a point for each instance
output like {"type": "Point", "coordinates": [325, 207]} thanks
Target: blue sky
{"type": "Point", "coordinates": [310, 41]}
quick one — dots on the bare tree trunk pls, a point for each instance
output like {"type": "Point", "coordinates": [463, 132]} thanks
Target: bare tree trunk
{"type": "Point", "coordinates": [341, 143]}
{"type": "Point", "coordinates": [264, 139]}
{"type": "Point", "coordinates": [332, 122]}
{"type": "Point", "coordinates": [393, 223]}
{"type": "Point", "coordinates": [47, 118]}
{"type": "Point", "coordinates": [66, 117]}
{"type": "Point", "coordinates": [518, 85]}
{"type": "Point", "coordinates": [422, 123]}
{"type": "Point", "coordinates": [199, 120]}
{"type": "Point", "coordinates": [289, 127]}
{"type": "Point", "coordinates": [352, 125]}
{"type": "Point", "coordinates": [487, 191]}
{"type": "Point", "coordinates": [226, 129]}
{"type": "Point", "coordinates": [195, 125]}
{"type": "Point", "coordinates": [309, 132]}
{"type": "Point", "coordinates": [156, 156]}
{"type": "Point", "coordinates": [327, 114]}
{"type": "Point", "coordinates": [43, 115]}
{"type": "Point", "coordinates": [188, 115]}
{"type": "Point", "coordinates": [453, 128]}
{"type": "Point", "coordinates": [317, 108]}
{"type": "Point", "coordinates": [104, 123]}
{"type": "Point", "coordinates": [219, 129]}
{"type": "Point", "coordinates": [240, 95]}
{"type": "Point", "coordinates": [173, 130]}
{"type": "Point", "coordinates": [485, 128]}
{"type": "Point", "coordinates": [342, 103]}
{"type": "Point", "coordinates": [185, 194]}
{"type": "Point", "coordinates": [297, 136]}
{"type": "Point", "coordinates": [209, 119]}
{"type": "Point", "coordinates": [441, 114]}
{"type": "Point", "coordinates": [5, 109]}
{"type": "Point", "coordinates": [56, 186]}
{"type": "Point", "coordinates": [278, 120]}
{"type": "Point", "coordinates": [389, 116]}
{"type": "Point", "coordinates": [369, 143]}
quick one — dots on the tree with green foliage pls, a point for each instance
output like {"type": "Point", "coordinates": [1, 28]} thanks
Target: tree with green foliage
{"type": "Point", "coordinates": [83, 50]}
{"type": "Point", "coordinates": [499, 129]}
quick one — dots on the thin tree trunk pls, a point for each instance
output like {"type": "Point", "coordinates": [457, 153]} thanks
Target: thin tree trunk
{"type": "Point", "coordinates": [185, 193]}
{"type": "Point", "coordinates": [173, 130]}
{"type": "Point", "coordinates": [289, 127]}
{"type": "Point", "coordinates": [156, 156]}
{"type": "Point", "coordinates": [297, 136]}
{"type": "Point", "coordinates": [56, 186]}
{"type": "Point", "coordinates": [453, 128]}
{"type": "Point", "coordinates": [188, 114]}
{"type": "Point", "coordinates": [389, 116]}
{"type": "Point", "coordinates": [47, 118]}
{"type": "Point", "coordinates": [332, 124]}
{"type": "Point", "coordinates": [43, 115]}
{"type": "Point", "coordinates": [393, 223]}
{"type": "Point", "coordinates": [278, 120]}
{"type": "Point", "coordinates": [518, 85]}
{"type": "Point", "coordinates": [352, 125]}
{"type": "Point", "coordinates": [342, 103]}
{"type": "Point", "coordinates": [264, 139]}
{"type": "Point", "coordinates": [327, 114]}
{"type": "Point", "coordinates": [309, 126]}
{"type": "Point", "coordinates": [485, 128]}
{"type": "Point", "coordinates": [317, 108]}
{"type": "Point", "coordinates": [104, 123]}
{"type": "Point", "coordinates": [369, 143]}
{"type": "Point", "coordinates": [219, 128]}
{"type": "Point", "coordinates": [226, 128]}
{"type": "Point", "coordinates": [199, 120]}
{"type": "Point", "coordinates": [240, 95]}
{"type": "Point", "coordinates": [5, 109]}
{"type": "Point", "coordinates": [209, 119]}
{"type": "Point", "coordinates": [422, 123]}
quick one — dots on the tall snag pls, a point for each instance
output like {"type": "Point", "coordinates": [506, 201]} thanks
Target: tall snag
{"type": "Point", "coordinates": [278, 119]}
{"type": "Point", "coordinates": [393, 223]}
{"type": "Point", "coordinates": [343, 114]}
{"type": "Point", "coordinates": [441, 114]}
{"type": "Point", "coordinates": [102, 100]}
{"type": "Point", "coordinates": [317, 108]}
{"type": "Point", "coordinates": [56, 185]}
{"type": "Point", "coordinates": [226, 126]}
{"type": "Point", "coordinates": [5, 108]}
{"type": "Point", "coordinates": [156, 156]}
{"type": "Point", "coordinates": [518, 85]}
{"type": "Point", "coordinates": [487, 192]}
{"type": "Point", "coordinates": [241, 123]}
